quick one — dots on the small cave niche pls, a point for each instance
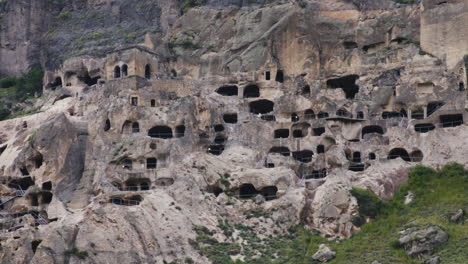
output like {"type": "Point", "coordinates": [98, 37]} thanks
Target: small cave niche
{"type": "Point", "coordinates": [417, 114]}
{"type": "Point", "coordinates": [315, 174]}
{"type": "Point", "coordinates": [137, 184]}
{"type": "Point", "coordinates": [131, 186]}
{"type": "Point", "coordinates": [153, 103]}
{"type": "Point", "coordinates": [151, 163]}
{"type": "Point", "coordinates": [124, 70]}
{"type": "Point", "coordinates": [424, 128]}
{"type": "Point", "coordinates": [218, 128]}
{"type": "Point", "coordinates": [46, 197]}
{"type": "Point", "coordinates": [220, 139]}
{"type": "Point", "coordinates": [389, 115]}
{"type": "Point", "coordinates": [357, 167]}
{"type": "Point", "coordinates": [269, 165]}
{"type": "Point", "coordinates": [451, 120]}
{"type": "Point", "coordinates": [127, 164]}
{"type": "Point", "coordinates": [372, 156]}
{"type": "Point", "coordinates": [134, 101]}
{"type": "Point", "coordinates": [305, 90]}
{"type": "Point", "coordinates": [347, 83]}
{"type": "Point", "coordinates": [399, 153]}
{"type": "Point", "coordinates": [300, 130]}
{"type": "Point", "coordinates": [318, 131]}
{"type": "Point", "coordinates": [322, 115]}
{"type": "Point", "coordinates": [148, 71]}
{"type": "Point", "coordinates": [343, 113]}
{"type": "Point", "coordinates": [356, 157]}
{"type": "Point", "coordinates": [180, 131]}
{"type": "Point", "coordinates": [35, 244]}
{"type": "Point", "coordinates": [135, 127]}
{"type": "Point", "coordinates": [350, 45]}
{"type": "Point", "coordinates": [247, 191]}
{"type": "Point", "coordinates": [280, 150]}
{"type": "Point", "coordinates": [228, 90]}
{"type": "Point", "coordinates": [57, 83]}
{"type": "Point", "coordinates": [21, 184]}
{"type": "Point", "coordinates": [107, 125]}
{"type": "Point", "coordinates": [304, 156]}
{"type": "Point", "coordinates": [38, 160]}
{"type": "Point", "coordinates": [416, 156]}
{"type": "Point", "coordinates": [360, 115]}
{"type": "Point", "coordinates": [309, 114]}
{"type": "Point", "coordinates": [33, 199]}
{"type": "Point", "coordinates": [267, 75]}
{"type": "Point", "coordinates": [216, 190]}
{"type": "Point", "coordinates": [372, 129]}
{"type": "Point", "coordinates": [281, 133]}
{"type": "Point", "coordinates": [251, 91]}
{"type": "Point", "coordinates": [294, 117]}
{"type": "Point", "coordinates": [164, 182]}
{"type": "Point", "coordinates": [268, 118]}
{"type": "Point", "coordinates": [163, 132]}
{"type": "Point", "coordinates": [88, 80]}
{"type": "Point", "coordinates": [269, 192]}
{"type": "Point", "coordinates": [279, 76]}
{"type": "Point", "coordinates": [144, 186]}
{"type": "Point", "coordinates": [320, 149]}
{"type": "Point", "coordinates": [152, 145]}
{"type": "Point", "coordinates": [47, 186]}
{"type": "Point", "coordinates": [261, 106]}
{"type": "Point", "coordinates": [215, 149]}
{"type": "Point", "coordinates": [24, 171]}
{"type": "Point", "coordinates": [433, 106]}
{"type": "Point", "coordinates": [132, 200]}
{"type": "Point", "coordinates": [230, 118]}
{"type": "Point", "coordinates": [116, 72]}
{"type": "Point", "coordinates": [461, 87]}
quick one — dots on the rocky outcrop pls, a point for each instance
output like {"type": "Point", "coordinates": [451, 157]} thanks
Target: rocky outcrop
{"type": "Point", "coordinates": [324, 253]}
{"type": "Point", "coordinates": [420, 242]}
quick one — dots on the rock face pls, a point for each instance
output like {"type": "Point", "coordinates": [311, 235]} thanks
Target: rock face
{"type": "Point", "coordinates": [220, 114]}
{"type": "Point", "coordinates": [324, 254]}
{"type": "Point", "coordinates": [419, 242]}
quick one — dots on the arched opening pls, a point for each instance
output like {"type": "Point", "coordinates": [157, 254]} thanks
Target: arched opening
{"type": "Point", "coordinates": [398, 153]}
{"type": "Point", "coordinates": [216, 149]}
{"type": "Point", "coordinates": [144, 186]}
{"type": "Point", "coordinates": [318, 131]}
{"type": "Point", "coordinates": [282, 133]}
{"type": "Point", "coordinates": [47, 186]}
{"type": "Point", "coordinates": [357, 157]}
{"type": "Point", "coordinates": [163, 132]}
{"type": "Point", "coordinates": [279, 76]}
{"type": "Point", "coordinates": [371, 156]}
{"type": "Point", "coordinates": [88, 80]}
{"type": "Point", "coordinates": [228, 90]}
{"type": "Point", "coordinates": [131, 186]}
{"type": "Point", "coordinates": [148, 71]}
{"type": "Point", "coordinates": [433, 106]}
{"type": "Point", "coordinates": [306, 90]}
{"type": "Point", "coordinates": [303, 156]}
{"type": "Point", "coordinates": [416, 156]}
{"type": "Point", "coordinates": [347, 83]}
{"type": "Point", "coordinates": [321, 115]}
{"type": "Point", "coordinates": [180, 131]}
{"type": "Point", "coordinates": [251, 91]}
{"type": "Point", "coordinates": [320, 149]}
{"type": "Point", "coordinates": [343, 113]}
{"type": "Point", "coordinates": [46, 197]}
{"type": "Point", "coordinates": [371, 130]}
{"type": "Point", "coordinates": [247, 191]}
{"type": "Point", "coordinates": [153, 103]}
{"type": "Point", "coordinates": [117, 72]}
{"type": "Point", "coordinates": [280, 150]}
{"type": "Point", "coordinates": [360, 115]}
{"type": "Point", "coordinates": [124, 70]}
{"type": "Point", "coordinates": [21, 184]}
{"type": "Point", "coordinates": [230, 118]}
{"type": "Point", "coordinates": [127, 164]}
{"type": "Point", "coordinates": [107, 125]}
{"type": "Point", "coordinates": [269, 192]}
{"type": "Point", "coordinates": [294, 117]}
{"type": "Point", "coordinates": [261, 106]}
{"type": "Point", "coordinates": [424, 128]}
{"type": "Point", "coordinates": [451, 120]}
{"type": "Point", "coordinates": [309, 114]}
{"type": "Point", "coordinates": [135, 127]}
{"type": "Point", "coordinates": [38, 160]}
{"type": "Point", "coordinates": [220, 139]}
{"type": "Point", "coordinates": [461, 87]}
{"type": "Point", "coordinates": [218, 128]}
{"type": "Point", "coordinates": [151, 163]}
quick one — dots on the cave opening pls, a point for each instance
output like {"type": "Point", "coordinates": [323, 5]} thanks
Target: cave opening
{"type": "Point", "coordinates": [372, 129]}
{"type": "Point", "coordinates": [219, 128]}
{"type": "Point", "coordinates": [267, 75]}
{"type": "Point", "coordinates": [261, 106]}
{"type": "Point", "coordinates": [135, 127]}
{"type": "Point", "coordinates": [124, 70]}
{"type": "Point", "coordinates": [38, 160]}
{"type": "Point", "coordinates": [279, 76]}
{"type": "Point", "coordinates": [228, 90]}
{"type": "Point", "coordinates": [357, 157]}
{"type": "Point", "coordinates": [33, 199]}
{"type": "Point", "coordinates": [280, 150]}
{"type": "Point", "coordinates": [269, 192]}
{"type": "Point", "coordinates": [294, 117]}
{"type": "Point", "coordinates": [35, 244]}
{"type": "Point", "coordinates": [46, 197]}
{"type": "Point", "coordinates": [117, 72]}
{"type": "Point", "coordinates": [24, 171]}
{"type": "Point", "coordinates": [144, 186]}
{"type": "Point", "coordinates": [88, 80]}
{"type": "Point", "coordinates": [21, 184]}
{"type": "Point", "coordinates": [220, 139]}
{"type": "Point", "coordinates": [230, 118]}
{"type": "Point", "coordinates": [297, 133]}
{"type": "Point", "coordinates": [281, 133]}
{"type": "Point", "coordinates": [360, 115]}
{"type": "Point", "coordinates": [347, 83]}
{"type": "Point", "coordinates": [433, 106]}
{"type": "Point", "coordinates": [320, 149]}
{"type": "Point", "coordinates": [117, 185]}
{"type": "Point", "coordinates": [451, 120]}
{"type": "Point", "coordinates": [424, 128]}
{"type": "Point", "coordinates": [151, 163]}
{"type": "Point", "coordinates": [318, 131]}
{"type": "Point", "coordinates": [322, 115]}
{"type": "Point", "coordinates": [461, 87]}
{"type": "Point", "coordinates": [343, 113]}
{"type": "Point", "coordinates": [303, 156]}
{"type": "Point", "coordinates": [357, 167]}
{"type": "Point", "coordinates": [127, 164]}
{"type": "Point", "coordinates": [309, 114]}
{"type": "Point", "coordinates": [216, 190]}
{"type": "Point", "coordinates": [153, 103]}
{"type": "Point", "coordinates": [2, 149]}
{"type": "Point", "coordinates": [148, 71]}
{"type": "Point", "coordinates": [47, 185]}
{"type": "Point", "coordinates": [389, 115]}
{"type": "Point", "coordinates": [163, 132]}
{"type": "Point", "coordinates": [107, 125]}
{"type": "Point", "coordinates": [416, 156]}
{"type": "Point", "coordinates": [371, 156]}
{"type": "Point", "coordinates": [247, 191]}
{"type": "Point", "coordinates": [180, 131]}
{"type": "Point", "coordinates": [57, 83]}
{"type": "Point", "coordinates": [251, 91]}
{"type": "Point", "coordinates": [268, 118]}
{"type": "Point", "coordinates": [306, 90]}
{"type": "Point", "coordinates": [398, 153]}
{"type": "Point", "coordinates": [216, 149]}
{"type": "Point", "coordinates": [417, 114]}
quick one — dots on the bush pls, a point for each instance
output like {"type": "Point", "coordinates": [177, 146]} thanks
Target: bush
{"type": "Point", "coordinates": [453, 170]}
{"type": "Point", "coordinates": [369, 203]}
{"type": "Point", "coordinates": [358, 220]}
{"type": "Point", "coordinates": [76, 252]}
{"type": "Point", "coordinates": [8, 82]}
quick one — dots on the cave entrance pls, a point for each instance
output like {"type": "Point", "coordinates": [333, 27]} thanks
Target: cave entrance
{"type": "Point", "coordinates": [279, 76]}
{"type": "Point", "coordinates": [47, 186]}
{"type": "Point", "coordinates": [220, 139]}
{"type": "Point", "coordinates": [230, 118]}
{"type": "Point", "coordinates": [294, 117]}
{"type": "Point", "coordinates": [388, 115]}
{"type": "Point", "coordinates": [269, 192]}
{"type": "Point", "coordinates": [117, 72]}
{"type": "Point", "coordinates": [357, 167]}
{"type": "Point", "coordinates": [135, 127]}
{"type": "Point", "coordinates": [357, 157]}
{"type": "Point", "coordinates": [218, 128]}
{"type": "Point", "coordinates": [398, 153]}
{"type": "Point", "coordinates": [24, 171]}
{"type": "Point", "coordinates": [309, 114]}
{"type": "Point", "coordinates": [153, 103]}
{"type": "Point", "coordinates": [318, 131]}
{"type": "Point", "coordinates": [247, 191]}
{"type": "Point", "coordinates": [322, 115]}
{"type": "Point", "coordinates": [306, 90]}
{"type": "Point", "coordinates": [261, 106]}
{"type": "Point", "coordinates": [320, 149]}
{"type": "Point", "coordinates": [300, 130]}
{"type": "Point", "coordinates": [127, 164]}
{"type": "Point", "coordinates": [343, 113]}
{"type": "Point", "coordinates": [163, 132]}
{"type": "Point", "coordinates": [304, 156]}
{"type": "Point", "coordinates": [360, 115]}
{"type": "Point", "coordinates": [151, 163]}
{"type": "Point", "coordinates": [134, 100]}
{"type": "Point", "coordinates": [371, 156]}
{"type": "Point", "coordinates": [347, 83]}
{"type": "Point", "coordinates": [38, 160]}
{"type": "Point", "coordinates": [280, 150]}
{"type": "Point", "coordinates": [433, 106]}
{"type": "Point", "coordinates": [461, 87]}
{"type": "Point", "coordinates": [228, 90]}
{"type": "Point", "coordinates": [21, 184]}
{"type": "Point", "coordinates": [180, 131]}
{"type": "Point", "coordinates": [282, 133]}
{"type": "Point", "coordinates": [417, 114]}
{"type": "Point", "coordinates": [35, 244]}
{"type": "Point", "coordinates": [107, 125]}
{"type": "Point", "coordinates": [124, 70]}
{"type": "Point", "coordinates": [424, 128]}
{"type": "Point", "coordinates": [46, 197]}
{"type": "Point", "coordinates": [57, 83]}
{"type": "Point", "coordinates": [251, 91]}
{"type": "Point", "coordinates": [216, 149]}
{"type": "Point", "coordinates": [148, 71]}
{"type": "Point", "coordinates": [451, 120]}
{"type": "Point", "coordinates": [267, 76]}
{"type": "Point", "coordinates": [372, 130]}
{"type": "Point", "coordinates": [416, 156]}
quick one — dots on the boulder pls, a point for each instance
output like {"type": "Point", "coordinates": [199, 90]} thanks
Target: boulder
{"type": "Point", "coordinates": [457, 217]}
{"type": "Point", "coordinates": [419, 242]}
{"type": "Point", "coordinates": [433, 260]}
{"type": "Point", "coordinates": [324, 253]}
{"type": "Point", "coordinates": [375, 262]}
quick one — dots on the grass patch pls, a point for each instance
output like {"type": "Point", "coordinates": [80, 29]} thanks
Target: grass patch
{"type": "Point", "coordinates": [76, 252]}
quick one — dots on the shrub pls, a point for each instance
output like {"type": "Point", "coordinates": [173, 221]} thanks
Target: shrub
{"type": "Point", "coordinates": [369, 203]}
{"type": "Point", "coordinates": [453, 170]}
{"type": "Point", "coordinates": [8, 82]}
{"type": "Point", "coordinates": [76, 252]}
{"type": "Point", "coordinates": [358, 220]}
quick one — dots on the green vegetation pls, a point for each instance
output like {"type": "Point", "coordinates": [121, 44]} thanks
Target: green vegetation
{"type": "Point", "coordinates": [76, 252]}
{"type": "Point", "coordinates": [17, 89]}
{"type": "Point", "coordinates": [438, 194]}
{"type": "Point", "coordinates": [187, 4]}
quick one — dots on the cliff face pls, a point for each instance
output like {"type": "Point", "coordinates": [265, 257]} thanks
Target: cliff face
{"type": "Point", "coordinates": [261, 114]}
